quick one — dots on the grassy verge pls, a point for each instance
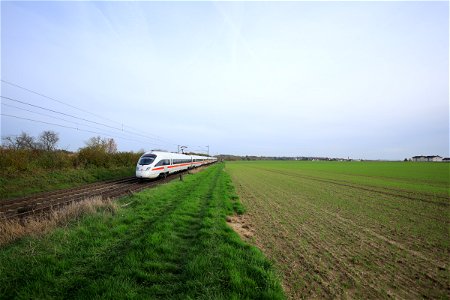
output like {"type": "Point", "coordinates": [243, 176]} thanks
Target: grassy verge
{"type": "Point", "coordinates": [44, 180]}
{"type": "Point", "coordinates": [170, 242]}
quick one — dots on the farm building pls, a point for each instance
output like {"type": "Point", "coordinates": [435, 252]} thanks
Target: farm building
{"type": "Point", "coordinates": [427, 158]}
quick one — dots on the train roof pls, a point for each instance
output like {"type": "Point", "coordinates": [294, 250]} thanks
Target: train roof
{"type": "Point", "coordinates": [172, 155]}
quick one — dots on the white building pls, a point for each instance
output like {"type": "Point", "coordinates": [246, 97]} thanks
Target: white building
{"type": "Point", "coordinates": [426, 158]}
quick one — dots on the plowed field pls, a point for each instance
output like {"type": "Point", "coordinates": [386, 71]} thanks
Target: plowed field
{"type": "Point", "coordinates": [360, 229]}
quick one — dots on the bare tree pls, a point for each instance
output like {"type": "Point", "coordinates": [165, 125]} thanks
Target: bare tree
{"type": "Point", "coordinates": [9, 142]}
{"type": "Point", "coordinates": [48, 140]}
{"type": "Point", "coordinates": [25, 141]}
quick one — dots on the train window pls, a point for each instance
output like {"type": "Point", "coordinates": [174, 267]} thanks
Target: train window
{"type": "Point", "coordinates": [146, 160]}
{"type": "Point", "coordinates": [163, 162]}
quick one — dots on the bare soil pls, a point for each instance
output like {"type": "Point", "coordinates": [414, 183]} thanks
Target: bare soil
{"type": "Point", "coordinates": [338, 240]}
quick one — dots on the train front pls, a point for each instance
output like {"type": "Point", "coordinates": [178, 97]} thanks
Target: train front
{"type": "Point", "coordinates": [145, 165]}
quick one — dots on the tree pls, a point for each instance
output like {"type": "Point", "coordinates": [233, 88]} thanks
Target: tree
{"type": "Point", "coordinates": [102, 144]}
{"type": "Point", "coordinates": [48, 140]}
{"type": "Point", "coordinates": [110, 146]}
{"type": "Point", "coordinates": [94, 142]}
{"type": "Point", "coordinates": [24, 141]}
{"type": "Point", "coordinates": [9, 142]}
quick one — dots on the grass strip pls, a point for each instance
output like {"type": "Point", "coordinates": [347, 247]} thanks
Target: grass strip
{"type": "Point", "coordinates": [170, 242]}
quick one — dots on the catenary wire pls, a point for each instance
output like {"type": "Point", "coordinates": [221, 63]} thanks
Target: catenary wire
{"type": "Point", "coordinates": [65, 120]}
{"type": "Point", "coordinates": [75, 128]}
{"type": "Point", "coordinates": [75, 117]}
{"type": "Point", "coordinates": [83, 110]}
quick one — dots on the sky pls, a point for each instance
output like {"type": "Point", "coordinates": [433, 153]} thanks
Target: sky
{"type": "Point", "coordinates": [334, 79]}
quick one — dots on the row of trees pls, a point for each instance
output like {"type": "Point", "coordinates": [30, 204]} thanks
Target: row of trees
{"type": "Point", "coordinates": [47, 141]}
{"type": "Point", "coordinates": [27, 153]}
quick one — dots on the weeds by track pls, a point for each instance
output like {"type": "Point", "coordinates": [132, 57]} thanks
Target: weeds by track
{"type": "Point", "coordinates": [43, 202]}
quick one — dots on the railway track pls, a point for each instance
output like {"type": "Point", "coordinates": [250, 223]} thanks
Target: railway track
{"type": "Point", "coordinates": [45, 202]}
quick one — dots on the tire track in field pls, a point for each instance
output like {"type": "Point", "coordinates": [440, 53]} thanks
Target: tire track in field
{"type": "Point", "coordinates": [344, 228]}
{"type": "Point", "coordinates": [307, 265]}
{"type": "Point", "coordinates": [191, 234]}
{"type": "Point", "coordinates": [274, 245]}
{"type": "Point", "coordinates": [385, 208]}
{"type": "Point", "coordinates": [113, 254]}
{"type": "Point", "coordinates": [345, 183]}
{"type": "Point", "coordinates": [330, 279]}
{"type": "Point", "coordinates": [188, 229]}
{"type": "Point", "coordinates": [436, 263]}
{"type": "Point", "coordinates": [387, 204]}
{"type": "Point", "coordinates": [375, 249]}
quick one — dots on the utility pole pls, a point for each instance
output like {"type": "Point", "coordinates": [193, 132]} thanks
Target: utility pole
{"type": "Point", "coordinates": [208, 149]}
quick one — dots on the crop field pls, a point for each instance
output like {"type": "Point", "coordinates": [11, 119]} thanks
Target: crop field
{"type": "Point", "coordinates": [350, 229]}
{"type": "Point", "coordinates": [169, 242]}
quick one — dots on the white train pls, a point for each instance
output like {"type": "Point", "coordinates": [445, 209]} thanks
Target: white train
{"type": "Point", "coordinates": [157, 163]}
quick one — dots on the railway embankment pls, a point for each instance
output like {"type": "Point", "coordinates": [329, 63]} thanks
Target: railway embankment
{"type": "Point", "coordinates": [26, 183]}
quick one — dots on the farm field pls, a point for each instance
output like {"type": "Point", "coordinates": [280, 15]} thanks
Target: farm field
{"type": "Point", "coordinates": [169, 242]}
{"type": "Point", "coordinates": [350, 229]}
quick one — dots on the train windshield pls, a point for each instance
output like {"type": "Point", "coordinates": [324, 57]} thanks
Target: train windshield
{"type": "Point", "coordinates": [147, 159]}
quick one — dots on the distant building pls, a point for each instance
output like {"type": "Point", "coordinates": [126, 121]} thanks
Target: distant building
{"type": "Point", "coordinates": [446, 159]}
{"type": "Point", "coordinates": [427, 158]}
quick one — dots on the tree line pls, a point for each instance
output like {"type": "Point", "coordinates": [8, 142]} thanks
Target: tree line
{"type": "Point", "coordinates": [28, 153]}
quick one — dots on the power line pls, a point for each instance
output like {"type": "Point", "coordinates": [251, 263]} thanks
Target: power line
{"type": "Point", "coordinates": [42, 114]}
{"type": "Point", "coordinates": [80, 109]}
{"type": "Point", "coordinates": [70, 127]}
{"type": "Point", "coordinates": [75, 117]}
{"type": "Point", "coordinates": [58, 112]}
{"type": "Point", "coordinates": [65, 120]}
{"type": "Point", "coordinates": [135, 131]}
{"type": "Point", "coordinates": [56, 100]}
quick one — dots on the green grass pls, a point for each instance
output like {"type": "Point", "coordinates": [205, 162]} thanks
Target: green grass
{"type": "Point", "coordinates": [426, 177]}
{"type": "Point", "coordinates": [37, 181]}
{"type": "Point", "coordinates": [358, 230]}
{"type": "Point", "coordinates": [170, 242]}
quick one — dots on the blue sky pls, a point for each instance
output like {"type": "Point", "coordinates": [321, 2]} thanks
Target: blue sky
{"type": "Point", "coordinates": [359, 79]}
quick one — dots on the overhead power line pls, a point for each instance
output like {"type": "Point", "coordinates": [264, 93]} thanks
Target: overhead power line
{"type": "Point", "coordinates": [56, 100]}
{"type": "Point", "coordinates": [69, 121]}
{"type": "Point", "coordinates": [75, 128]}
{"type": "Point", "coordinates": [78, 118]}
{"type": "Point", "coordinates": [86, 111]}
{"type": "Point", "coordinates": [58, 112]}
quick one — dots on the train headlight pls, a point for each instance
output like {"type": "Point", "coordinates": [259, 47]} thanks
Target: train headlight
{"type": "Point", "coordinates": [137, 168]}
{"type": "Point", "coordinates": [147, 169]}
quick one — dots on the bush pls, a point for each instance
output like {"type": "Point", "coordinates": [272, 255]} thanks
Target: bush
{"type": "Point", "coordinates": [98, 153]}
